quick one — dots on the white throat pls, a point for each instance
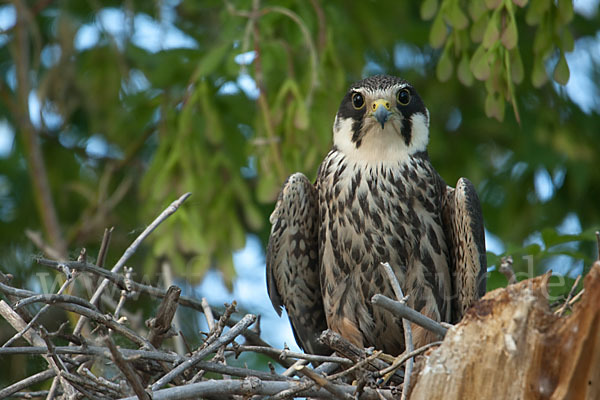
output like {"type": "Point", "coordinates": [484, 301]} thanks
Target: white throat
{"type": "Point", "coordinates": [381, 146]}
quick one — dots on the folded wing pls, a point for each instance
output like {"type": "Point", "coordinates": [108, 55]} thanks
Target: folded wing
{"type": "Point", "coordinates": [292, 262]}
{"type": "Point", "coordinates": [463, 224]}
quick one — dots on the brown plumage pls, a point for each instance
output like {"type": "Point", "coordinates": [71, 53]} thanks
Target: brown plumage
{"type": "Point", "coordinates": [377, 198]}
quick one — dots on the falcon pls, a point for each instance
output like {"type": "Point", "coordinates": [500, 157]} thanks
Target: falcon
{"type": "Point", "coordinates": [377, 198]}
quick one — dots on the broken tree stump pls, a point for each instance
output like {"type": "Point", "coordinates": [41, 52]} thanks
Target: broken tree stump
{"type": "Point", "coordinates": [510, 345]}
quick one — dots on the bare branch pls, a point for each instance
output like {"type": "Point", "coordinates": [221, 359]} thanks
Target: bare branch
{"type": "Point", "coordinates": [227, 338]}
{"type": "Point", "coordinates": [132, 249]}
{"type": "Point", "coordinates": [408, 340]}
{"type": "Point", "coordinates": [127, 370]}
{"type": "Point", "coordinates": [324, 383]}
{"type": "Point", "coordinates": [161, 325]}
{"type": "Point", "coordinates": [403, 311]}
{"type": "Point", "coordinates": [25, 383]}
{"type": "Point", "coordinates": [251, 386]}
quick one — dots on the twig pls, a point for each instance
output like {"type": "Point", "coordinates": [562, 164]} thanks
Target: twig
{"type": "Point", "coordinates": [127, 370]}
{"type": "Point", "coordinates": [210, 319]}
{"type": "Point", "coordinates": [408, 340]}
{"type": "Point", "coordinates": [38, 241]}
{"type": "Point", "coordinates": [283, 354]}
{"type": "Point", "coordinates": [291, 371]}
{"type": "Point", "coordinates": [356, 366]}
{"type": "Point", "coordinates": [250, 386]}
{"type": "Point", "coordinates": [120, 281]}
{"type": "Point", "coordinates": [161, 325]}
{"type": "Point", "coordinates": [563, 308]}
{"type": "Point", "coordinates": [354, 353]}
{"type": "Point", "coordinates": [403, 357]}
{"type": "Point", "coordinates": [598, 245]}
{"type": "Point", "coordinates": [25, 383]}
{"type": "Point", "coordinates": [104, 246]}
{"type": "Point", "coordinates": [227, 338]}
{"type": "Point", "coordinates": [107, 321]}
{"type": "Point", "coordinates": [172, 208]}
{"type": "Point", "coordinates": [30, 395]}
{"type": "Point", "coordinates": [324, 383]}
{"type": "Point", "coordinates": [54, 299]}
{"type": "Point", "coordinates": [507, 270]}
{"type": "Point", "coordinates": [32, 337]}
{"type": "Point", "coordinates": [403, 311]}
{"type": "Point", "coordinates": [42, 194]}
{"type": "Point", "coordinates": [37, 315]}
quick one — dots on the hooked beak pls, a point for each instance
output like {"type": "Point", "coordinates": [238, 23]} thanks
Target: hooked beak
{"type": "Point", "coordinates": [381, 111]}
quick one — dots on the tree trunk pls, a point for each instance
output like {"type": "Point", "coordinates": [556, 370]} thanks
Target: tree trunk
{"type": "Point", "coordinates": [511, 345]}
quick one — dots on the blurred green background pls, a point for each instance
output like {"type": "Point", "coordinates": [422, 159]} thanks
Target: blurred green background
{"type": "Point", "coordinates": [111, 110]}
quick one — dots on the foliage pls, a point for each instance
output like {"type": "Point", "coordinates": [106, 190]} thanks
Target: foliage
{"type": "Point", "coordinates": [133, 104]}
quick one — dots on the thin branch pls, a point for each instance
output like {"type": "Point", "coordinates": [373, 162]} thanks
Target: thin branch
{"type": "Point", "coordinates": [127, 370]}
{"type": "Point", "coordinates": [562, 309]}
{"type": "Point", "coordinates": [403, 311]}
{"type": "Point", "coordinates": [161, 325]}
{"type": "Point", "coordinates": [283, 354]}
{"type": "Point", "coordinates": [37, 315]}
{"type": "Point", "coordinates": [408, 340]}
{"type": "Point", "coordinates": [54, 299]}
{"type": "Point", "coordinates": [25, 383]}
{"type": "Point", "coordinates": [404, 357]}
{"type": "Point", "coordinates": [38, 241]}
{"type": "Point", "coordinates": [324, 383]}
{"type": "Point", "coordinates": [210, 318]}
{"type": "Point", "coordinates": [251, 386]}
{"type": "Point", "coordinates": [507, 270]}
{"type": "Point", "coordinates": [35, 159]}
{"type": "Point", "coordinates": [598, 245]}
{"type": "Point", "coordinates": [172, 208]}
{"type": "Point", "coordinates": [104, 246]}
{"type": "Point", "coordinates": [227, 338]}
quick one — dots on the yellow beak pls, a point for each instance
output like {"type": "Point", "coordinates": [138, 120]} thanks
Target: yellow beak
{"type": "Point", "coordinates": [380, 109]}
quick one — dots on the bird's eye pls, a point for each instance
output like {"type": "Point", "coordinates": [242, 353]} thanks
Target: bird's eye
{"type": "Point", "coordinates": [403, 97]}
{"type": "Point", "coordinates": [358, 101]}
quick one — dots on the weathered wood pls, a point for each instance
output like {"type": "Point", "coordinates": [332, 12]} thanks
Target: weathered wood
{"type": "Point", "coordinates": [510, 345]}
{"type": "Point", "coordinates": [160, 326]}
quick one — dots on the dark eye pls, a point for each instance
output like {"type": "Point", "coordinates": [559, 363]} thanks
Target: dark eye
{"type": "Point", "coordinates": [358, 101]}
{"type": "Point", "coordinates": [403, 97]}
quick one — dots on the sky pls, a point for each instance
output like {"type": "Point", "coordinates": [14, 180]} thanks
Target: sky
{"type": "Point", "coordinates": [250, 284]}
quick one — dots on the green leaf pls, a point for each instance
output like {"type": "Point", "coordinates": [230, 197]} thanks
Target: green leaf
{"type": "Point", "coordinates": [476, 9]}
{"type": "Point", "coordinates": [567, 44]}
{"type": "Point", "coordinates": [492, 4]}
{"type": "Point", "coordinates": [551, 237]}
{"type": "Point", "coordinates": [494, 106]}
{"type": "Point", "coordinates": [510, 35]}
{"type": "Point", "coordinates": [457, 18]}
{"type": "Point", "coordinates": [444, 67]}
{"type": "Point", "coordinates": [465, 76]}
{"type": "Point", "coordinates": [565, 11]}
{"type": "Point", "coordinates": [536, 11]}
{"type": "Point", "coordinates": [428, 9]}
{"type": "Point", "coordinates": [496, 280]}
{"type": "Point", "coordinates": [516, 66]}
{"type": "Point", "coordinates": [491, 34]}
{"type": "Point", "coordinates": [438, 33]}
{"type": "Point", "coordinates": [478, 28]}
{"type": "Point", "coordinates": [212, 60]}
{"type": "Point", "coordinates": [542, 43]}
{"type": "Point", "coordinates": [301, 117]}
{"type": "Point", "coordinates": [561, 71]}
{"type": "Point", "coordinates": [479, 64]}
{"type": "Point", "coordinates": [538, 75]}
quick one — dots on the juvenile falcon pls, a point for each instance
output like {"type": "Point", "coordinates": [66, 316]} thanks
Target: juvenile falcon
{"type": "Point", "coordinates": [377, 198]}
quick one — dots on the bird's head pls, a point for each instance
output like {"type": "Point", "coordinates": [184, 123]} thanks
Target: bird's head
{"type": "Point", "coordinates": [381, 118]}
